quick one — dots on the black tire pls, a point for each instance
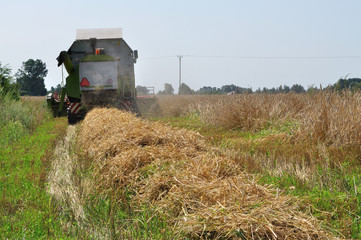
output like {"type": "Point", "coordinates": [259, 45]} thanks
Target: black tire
{"type": "Point", "coordinates": [135, 109]}
{"type": "Point", "coordinates": [71, 118]}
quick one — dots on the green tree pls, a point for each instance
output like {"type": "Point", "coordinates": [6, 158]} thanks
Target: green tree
{"type": "Point", "coordinates": [168, 89]}
{"type": "Point", "coordinates": [312, 89]}
{"type": "Point", "coordinates": [229, 88]}
{"type": "Point", "coordinates": [56, 89]}
{"type": "Point", "coordinates": [286, 89]}
{"type": "Point", "coordinates": [350, 84]}
{"type": "Point", "coordinates": [31, 78]}
{"type": "Point", "coordinates": [184, 89]}
{"type": "Point", "coordinates": [297, 88]}
{"type": "Point", "coordinates": [209, 90]}
{"type": "Point", "coordinates": [7, 86]}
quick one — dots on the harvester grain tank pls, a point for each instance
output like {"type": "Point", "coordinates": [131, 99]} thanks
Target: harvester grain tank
{"type": "Point", "coordinates": [100, 65]}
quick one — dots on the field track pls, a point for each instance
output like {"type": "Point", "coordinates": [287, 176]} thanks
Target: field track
{"type": "Point", "coordinates": [60, 179]}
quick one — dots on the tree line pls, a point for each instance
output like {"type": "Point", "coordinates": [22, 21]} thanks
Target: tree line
{"type": "Point", "coordinates": [226, 89]}
{"type": "Point", "coordinates": [29, 80]}
{"type": "Point", "coordinates": [352, 84]}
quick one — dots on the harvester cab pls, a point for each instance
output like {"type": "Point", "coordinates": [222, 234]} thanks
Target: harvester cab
{"type": "Point", "coordinates": [100, 65]}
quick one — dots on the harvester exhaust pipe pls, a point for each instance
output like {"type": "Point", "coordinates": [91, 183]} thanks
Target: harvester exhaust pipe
{"type": "Point", "coordinates": [93, 42]}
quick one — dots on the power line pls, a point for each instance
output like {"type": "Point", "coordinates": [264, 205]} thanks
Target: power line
{"type": "Point", "coordinates": [159, 57]}
{"type": "Point", "coordinates": [274, 57]}
{"type": "Point", "coordinates": [257, 57]}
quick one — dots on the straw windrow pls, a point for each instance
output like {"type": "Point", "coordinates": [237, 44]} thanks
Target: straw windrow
{"type": "Point", "coordinates": [200, 191]}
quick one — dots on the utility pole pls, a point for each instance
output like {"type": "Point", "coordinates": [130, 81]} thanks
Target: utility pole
{"type": "Point", "coordinates": [180, 71]}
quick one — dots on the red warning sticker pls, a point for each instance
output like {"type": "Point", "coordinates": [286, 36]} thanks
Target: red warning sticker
{"type": "Point", "coordinates": [84, 82]}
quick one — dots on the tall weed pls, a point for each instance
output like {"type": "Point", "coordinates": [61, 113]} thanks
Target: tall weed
{"type": "Point", "coordinates": [18, 117]}
{"type": "Point", "coordinates": [324, 117]}
{"type": "Point", "coordinates": [250, 112]}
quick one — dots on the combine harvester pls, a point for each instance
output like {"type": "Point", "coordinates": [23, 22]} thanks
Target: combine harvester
{"type": "Point", "coordinates": [100, 65]}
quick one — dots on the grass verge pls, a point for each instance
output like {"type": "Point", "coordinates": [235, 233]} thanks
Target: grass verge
{"type": "Point", "coordinates": [26, 210]}
{"type": "Point", "coordinates": [120, 220]}
{"type": "Point", "coordinates": [28, 136]}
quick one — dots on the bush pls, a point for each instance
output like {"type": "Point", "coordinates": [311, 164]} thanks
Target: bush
{"type": "Point", "coordinates": [7, 86]}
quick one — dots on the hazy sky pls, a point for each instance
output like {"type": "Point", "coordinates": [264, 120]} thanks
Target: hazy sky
{"type": "Point", "coordinates": [254, 43]}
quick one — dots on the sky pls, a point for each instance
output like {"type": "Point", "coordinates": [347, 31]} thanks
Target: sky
{"type": "Point", "coordinates": [252, 44]}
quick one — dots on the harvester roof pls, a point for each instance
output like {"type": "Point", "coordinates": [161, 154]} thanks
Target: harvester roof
{"type": "Point", "coordinates": [99, 33]}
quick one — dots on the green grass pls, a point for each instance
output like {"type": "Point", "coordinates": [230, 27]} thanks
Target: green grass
{"type": "Point", "coordinates": [333, 191]}
{"type": "Point", "coordinates": [214, 134]}
{"type": "Point", "coordinates": [26, 210]}
{"type": "Point", "coordinates": [28, 136]}
{"type": "Point", "coordinates": [124, 220]}
{"type": "Point", "coordinates": [339, 196]}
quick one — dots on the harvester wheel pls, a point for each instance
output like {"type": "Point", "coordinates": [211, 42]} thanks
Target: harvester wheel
{"type": "Point", "coordinates": [71, 118]}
